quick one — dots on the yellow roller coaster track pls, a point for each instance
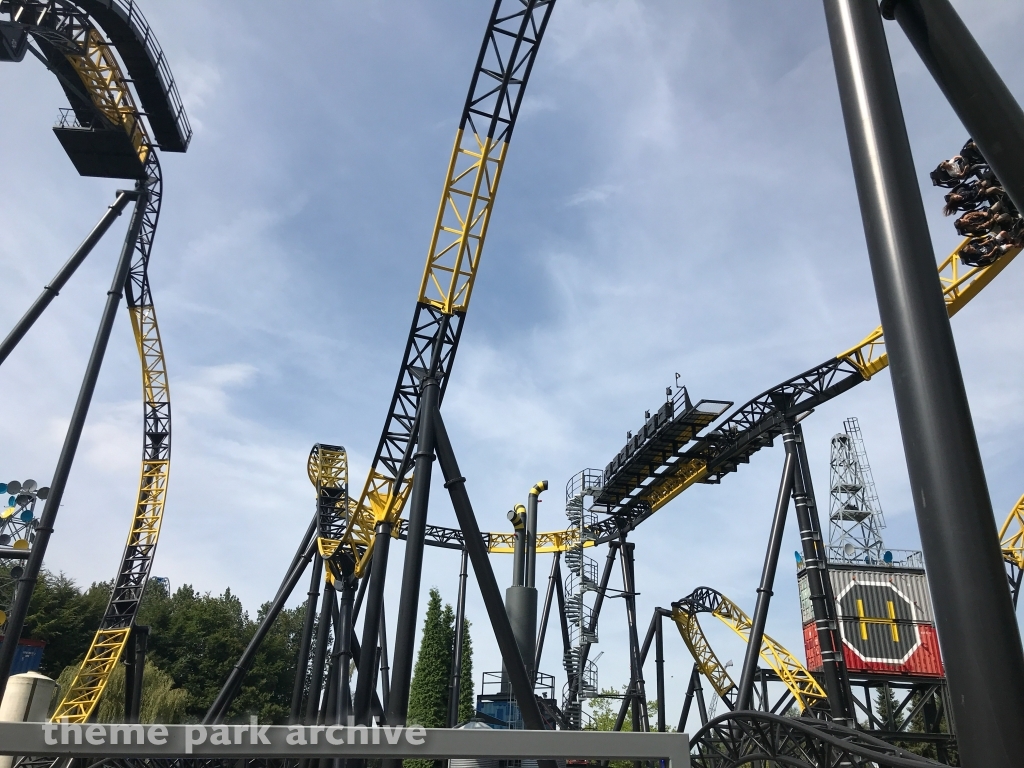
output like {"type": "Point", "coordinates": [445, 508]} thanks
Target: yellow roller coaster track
{"type": "Point", "coordinates": [1011, 535]}
{"type": "Point", "coordinates": [801, 683]}
{"type": "Point", "coordinates": [108, 644]}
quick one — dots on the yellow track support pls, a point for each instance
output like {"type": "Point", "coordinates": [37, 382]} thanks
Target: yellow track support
{"type": "Point", "coordinates": [805, 689]}
{"type": "Point", "coordinates": [707, 660]}
{"type": "Point", "coordinates": [462, 219]}
{"type": "Point", "coordinates": [91, 680]}
{"type": "Point", "coordinates": [549, 541]}
{"type": "Point", "coordinates": [453, 258]}
{"type": "Point", "coordinates": [105, 83]}
{"type": "Point", "coordinates": [108, 644]}
{"type": "Point", "coordinates": [1012, 543]}
{"type": "Point", "coordinates": [960, 284]}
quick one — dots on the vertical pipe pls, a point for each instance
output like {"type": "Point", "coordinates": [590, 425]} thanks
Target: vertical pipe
{"type": "Point", "coordinates": [970, 83]}
{"type": "Point", "coordinates": [824, 613]}
{"type": "Point", "coordinates": [405, 634]}
{"type": "Point", "coordinates": [531, 532]}
{"type": "Point", "coordinates": [659, 661]}
{"type": "Point", "coordinates": [52, 288]}
{"type": "Point", "coordinates": [371, 622]}
{"type": "Point", "coordinates": [978, 632]}
{"type": "Point", "coordinates": [316, 678]}
{"type": "Point", "coordinates": [764, 591]}
{"type": "Point", "coordinates": [306, 639]}
{"type": "Point", "coordinates": [329, 706]}
{"type": "Point", "coordinates": [455, 685]}
{"type": "Point", "coordinates": [546, 612]}
{"type": "Point", "coordinates": [27, 582]}
{"type": "Point", "coordinates": [522, 686]}
{"type": "Point", "coordinates": [517, 516]}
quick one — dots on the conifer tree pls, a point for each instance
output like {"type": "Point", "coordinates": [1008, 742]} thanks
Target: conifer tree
{"type": "Point", "coordinates": [467, 701]}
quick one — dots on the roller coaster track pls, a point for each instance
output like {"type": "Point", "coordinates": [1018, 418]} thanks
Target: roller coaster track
{"type": "Point", "coordinates": [806, 691]}
{"type": "Point", "coordinates": [745, 431]}
{"type": "Point", "coordinates": [85, 63]}
{"type": "Point", "coordinates": [1011, 540]}
{"type": "Point", "coordinates": [514, 33]}
{"type": "Point", "coordinates": [759, 739]}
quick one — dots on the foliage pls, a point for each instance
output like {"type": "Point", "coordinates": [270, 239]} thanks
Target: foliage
{"type": "Point", "coordinates": [604, 711]}
{"type": "Point", "coordinates": [161, 701]}
{"type": "Point", "coordinates": [65, 618]}
{"type": "Point", "coordinates": [429, 691]}
{"type": "Point", "coordinates": [194, 642]}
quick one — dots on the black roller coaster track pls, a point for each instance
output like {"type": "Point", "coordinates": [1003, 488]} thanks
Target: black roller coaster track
{"type": "Point", "coordinates": [759, 738]}
{"type": "Point", "coordinates": [74, 48]}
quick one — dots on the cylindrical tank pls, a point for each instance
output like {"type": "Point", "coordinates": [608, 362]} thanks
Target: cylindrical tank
{"type": "Point", "coordinates": [26, 700]}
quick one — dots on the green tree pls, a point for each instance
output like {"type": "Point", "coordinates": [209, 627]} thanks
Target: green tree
{"type": "Point", "coordinates": [430, 691]}
{"type": "Point", "coordinates": [65, 618]}
{"type": "Point", "coordinates": [467, 700]}
{"type": "Point", "coordinates": [161, 701]}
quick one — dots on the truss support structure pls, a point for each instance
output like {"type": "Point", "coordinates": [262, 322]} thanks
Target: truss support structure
{"type": "Point", "coordinates": [105, 645]}
{"type": "Point", "coordinates": [978, 633]}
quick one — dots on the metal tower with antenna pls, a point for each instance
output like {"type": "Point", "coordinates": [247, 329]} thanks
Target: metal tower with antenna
{"type": "Point", "coordinates": [855, 514]}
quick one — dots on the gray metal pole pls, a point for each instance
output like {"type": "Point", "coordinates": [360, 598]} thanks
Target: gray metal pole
{"type": "Point", "coordinates": [405, 633]}
{"type": "Point", "coordinates": [522, 686]}
{"type": "Point", "coordinates": [346, 632]}
{"type": "Point", "coordinates": [455, 685]}
{"type": "Point", "coordinates": [764, 591]}
{"type": "Point", "coordinates": [978, 633]}
{"type": "Point", "coordinates": [545, 613]}
{"type": "Point", "coordinates": [316, 678]}
{"type": "Point", "coordinates": [638, 691]}
{"type": "Point", "coordinates": [306, 639]}
{"type": "Point", "coordinates": [135, 664]}
{"type": "Point", "coordinates": [27, 582]}
{"type": "Point", "coordinates": [371, 622]}
{"type": "Point", "coordinates": [659, 662]}
{"type": "Point", "coordinates": [974, 89]}
{"type": "Point", "coordinates": [52, 288]}
{"type": "Point", "coordinates": [517, 516]}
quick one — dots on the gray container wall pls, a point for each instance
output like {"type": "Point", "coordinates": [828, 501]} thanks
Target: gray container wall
{"type": "Point", "coordinates": [911, 583]}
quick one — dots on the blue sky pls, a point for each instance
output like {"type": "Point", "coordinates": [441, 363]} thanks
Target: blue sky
{"type": "Point", "coordinates": [677, 198]}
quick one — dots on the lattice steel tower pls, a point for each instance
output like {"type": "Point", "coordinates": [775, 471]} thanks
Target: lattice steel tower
{"type": "Point", "coordinates": [855, 514]}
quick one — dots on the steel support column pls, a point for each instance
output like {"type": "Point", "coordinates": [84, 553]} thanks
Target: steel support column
{"type": "Point", "coordinates": [553, 578]}
{"type": "Point", "coordinates": [522, 686]}
{"type": "Point", "coordinates": [135, 668]}
{"type": "Point", "coordinates": [44, 528]}
{"type": "Point", "coordinates": [385, 680]}
{"type": "Point", "coordinates": [978, 633]}
{"type": "Point", "coordinates": [817, 576]}
{"type": "Point", "coordinates": [316, 678]}
{"type": "Point", "coordinates": [974, 89]}
{"type": "Point", "coordinates": [52, 288]}
{"type": "Point", "coordinates": [306, 639]}
{"type": "Point", "coordinates": [345, 633]}
{"type": "Point", "coordinates": [659, 666]}
{"type": "Point", "coordinates": [405, 633]}
{"type": "Point", "coordinates": [371, 621]}
{"type": "Point", "coordinates": [764, 590]}
{"type": "Point", "coordinates": [455, 684]}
